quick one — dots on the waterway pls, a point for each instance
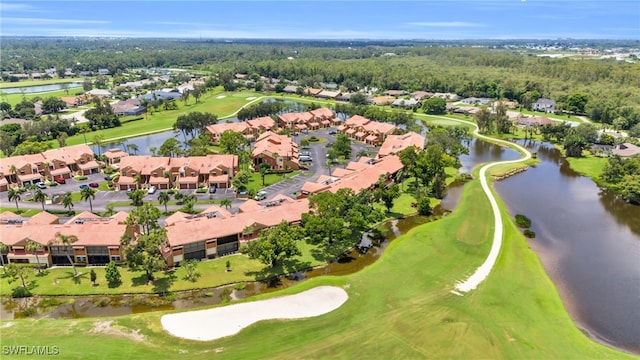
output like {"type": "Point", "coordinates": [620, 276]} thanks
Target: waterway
{"type": "Point", "coordinates": [588, 240]}
{"type": "Point", "coordinates": [40, 88]}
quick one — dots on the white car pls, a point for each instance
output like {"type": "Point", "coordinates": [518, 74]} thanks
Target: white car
{"type": "Point", "coordinates": [151, 190]}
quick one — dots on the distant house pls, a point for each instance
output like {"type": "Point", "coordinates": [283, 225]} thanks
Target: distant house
{"type": "Point", "coordinates": [86, 73]}
{"type": "Point", "coordinates": [421, 95]}
{"type": "Point", "coordinates": [534, 121]}
{"type": "Point", "coordinates": [99, 92]}
{"type": "Point", "coordinates": [546, 105]}
{"type": "Point", "coordinates": [161, 95]}
{"type": "Point", "coordinates": [129, 107]}
{"type": "Point", "coordinates": [329, 86]}
{"type": "Point", "coordinates": [382, 100]}
{"type": "Point", "coordinates": [626, 150]}
{"type": "Point", "coordinates": [291, 89]}
{"type": "Point", "coordinates": [395, 92]}
{"type": "Point", "coordinates": [344, 97]}
{"type": "Point", "coordinates": [476, 101]}
{"type": "Point", "coordinates": [325, 94]}
{"type": "Point", "coordinates": [103, 71]}
{"type": "Point", "coordinates": [405, 103]}
{"type": "Point", "coordinates": [365, 130]}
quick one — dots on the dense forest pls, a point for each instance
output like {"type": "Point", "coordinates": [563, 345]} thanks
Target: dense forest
{"type": "Point", "coordinates": [611, 88]}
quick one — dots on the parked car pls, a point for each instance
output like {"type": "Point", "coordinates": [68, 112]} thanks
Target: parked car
{"type": "Point", "coordinates": [84, 186]}
{"type": "Point", "coordinates": [60, 180]}
{"type": "Point", "coordinates": [93, 184]}
{"type": "Point", "coordinates": [108, 178]}
{"type": "Point", "coordinates": [41, 185]}
{"type": "Point", "coordinates": [332, 132]}
{"type": "Point", "coordinates": [302, 167]}
{"type": "Point", "coordinates": [261, 195]}
{"type": "Point", "coordinates": [304, 153]}
{"type": "Point", "coordinates": [152, 189]}
{"type": "Point", "coordinates": [305, 158]}
{"type": "Point", "coordinates": [213, 189]}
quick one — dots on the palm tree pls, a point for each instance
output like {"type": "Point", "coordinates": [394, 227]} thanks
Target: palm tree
{"type": "Point", "coordinates": [67, 201]}
{"type": "Point", "coordinates": [163, 199]}
{"type": "Point", "coordinates": [40, 197]}
{"type": "Point", "coordinates": [3, 248]}
{"type": "Point", "coordinates": [34, 247]}
{"type": "Point", "coordinates": [67, 241]}
{"type": "Point", "coordinates": [97, 140]}
{"type": "Point", "coordinates": [88, 194]}
{"type": "Point", "coordinates": [226, 202]}
{"type": "Point", "coordinates": [14, 172]}
{"type": "Point", "coordinates": [14, 195]}
{"type": "Point", "coordinates": [133, 148]}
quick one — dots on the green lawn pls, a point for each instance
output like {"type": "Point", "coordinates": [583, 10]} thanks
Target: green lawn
{"type": "Point", "coordinates": [400, 307]}
{"type": "Point", "coordinates": [163, 120]}
{"type": "Point", "coordinates": [589, 165]}
{"type": "Point", "coordinates": [36, 82]}
{"type": "Point", "coordinates": [255, 179]}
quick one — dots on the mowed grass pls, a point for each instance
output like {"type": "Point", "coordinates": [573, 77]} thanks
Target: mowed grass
{"type": "Point", "coordinates": [14, 99]}
{"type": "Point", "coordinates": [37, 82]}
{"type": "Point", "coordinates": [588, 165]}
{"type": "Point", "coordinates": [164, 119]}
{"type": "Point", "coordinates": [400, 307]}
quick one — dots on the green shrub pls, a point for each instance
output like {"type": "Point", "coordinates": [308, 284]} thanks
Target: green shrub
{"type": "Point", "coordinates": [80, 178]}
{"type": "Point", "coordinates": [20, 292]}
{"type": "Point", "coordinates": [201, 191]}
{"type": "Point", "coordinates": [529, 233]}
{"type": "Point", "coordinates": [30, 311]}
{"type": "Point", "coordinates": [313, 139]}
{"type": "Point", "coordinates": [523, 221]}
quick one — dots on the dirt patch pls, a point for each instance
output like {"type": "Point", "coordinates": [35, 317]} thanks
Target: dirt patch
{"type": "Point", "coordinates": [107, 327]}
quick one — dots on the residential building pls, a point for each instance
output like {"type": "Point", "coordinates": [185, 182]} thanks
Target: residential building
{"type": "Point", "coordinates": [113, 156]}
{"type": "Point", "coordinates": [98, 239]}
{"type": "Point", "coordinates": [534, 121]}
{"type": "Point", "coordinates": [250, 128]}
{"type": "Point", "coordinates": [310, 120]}
{"type": "Point", "coordinates": [546, 105]}
{"type": "Point", "coordinates": [183, 173]}
{"type": "Point", "coordinates": [363, 129]}
{"type": "Point", "coordinates": [404, 103]}
{"type": "Point", "coordinates": [476, 101]}
{"type": "Point", "coordinates": [129, 107]}
{"type": "Point", "coordinates": [419, 95]}
{"type": "Point", "coordinates": [217, 232]}
{"type": "Point", "coordinates": [279, 151]}
{"type": "Point", "coordinates": [393, 144]}
{"type": "Point", "coordinates": [626, 150]}
{"type": "Point", "coordinates": [358, 175]}
{"type": "Point", "coordinates": [62, 162]}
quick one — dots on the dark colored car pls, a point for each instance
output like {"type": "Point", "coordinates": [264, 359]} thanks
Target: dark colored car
{"type": "Point", "coordinates": [108, 178]}
{"type": "Point", "coordinates": [84, 186]}
{"type": "Point", "coordinates": [60, 180]}
{"type": "Point", "coordinates": [332, 132]}
{"type": "Point", "coordinates": [93, 184]}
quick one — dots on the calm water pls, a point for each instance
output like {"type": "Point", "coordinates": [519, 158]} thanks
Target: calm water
{"type": "Point", "coordinates": [40, 88]}
{"type": "Point", "coordinates": [589, 243]}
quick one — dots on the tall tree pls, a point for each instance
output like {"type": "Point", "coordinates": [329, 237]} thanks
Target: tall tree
{"type": "Point", "coordinates": [264, 170]}
{"type": "Point", "coordinates": [276, 244]}
{"type": "Point", "coordinates": [232, 142]}
{"type": "Point", "coordinates": [163, 199]}
{"type": "Point", "coordinates": [14, 195]}
{"type": "Point", "coordinates": [40, 197]}
{"type": "Point", "coordinates": [34, 247]}
{"type": "Point", "coordinates": [67, 201]}
{"type": "Point", "coordinates": [67, 241]}
{"type": "Point", "coordinates": [88, 194]}
{"type": "Point", "coordinates": [386, 193]}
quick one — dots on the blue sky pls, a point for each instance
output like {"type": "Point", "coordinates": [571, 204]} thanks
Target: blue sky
{"type": "Point", "coordinates": [429, 20]}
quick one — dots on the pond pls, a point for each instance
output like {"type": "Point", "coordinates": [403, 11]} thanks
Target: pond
{"type": "Point", "coordinates": [40, 88]}
{"type": "Point", "coordinates": [588, 240]}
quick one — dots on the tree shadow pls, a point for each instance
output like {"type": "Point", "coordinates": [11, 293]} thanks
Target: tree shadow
{"type": "Point", "coordinates": [139, 280]}
{"type": "Point", "coordinates": [285, 267]}
{"type": "Point", "coordinates": [114, 285]}
{"type": "Point", "coordinates": [163, 284]}
{"type": "Point", "coordinates": [76, 279]}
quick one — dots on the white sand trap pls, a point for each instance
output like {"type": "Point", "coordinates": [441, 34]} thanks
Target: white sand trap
{"type": "Point", "coordinates": [221, 97]}
{"type": "Point", "coordinates": [211, 324]}
{"type": "Point", "coordinates": [251, 98]}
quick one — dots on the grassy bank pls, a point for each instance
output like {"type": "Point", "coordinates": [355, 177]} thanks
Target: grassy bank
{"type": "Point", "coordinates": [39, 82]}
{"type": "Point", "coordinates": [399, 307]}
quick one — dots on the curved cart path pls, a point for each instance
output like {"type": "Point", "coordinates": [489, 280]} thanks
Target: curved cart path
{"type": "Point", "coordinates": [483, 270]}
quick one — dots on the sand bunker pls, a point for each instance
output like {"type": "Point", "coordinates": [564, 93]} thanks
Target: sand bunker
{"type": "Point", "coordinates": [251, 98]}
{"type": "Point", "coordinates": [221, 97]}
{"type": "Point", "coordinates": [224, 321]}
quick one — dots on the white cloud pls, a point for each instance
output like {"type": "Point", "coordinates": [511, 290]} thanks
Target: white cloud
{"type": "Point", "coordinates": [15, 7]}
{"type": "Point", "coordinates": [44, 21]}
{"type": "Point", "coordinates": [446, 24]}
